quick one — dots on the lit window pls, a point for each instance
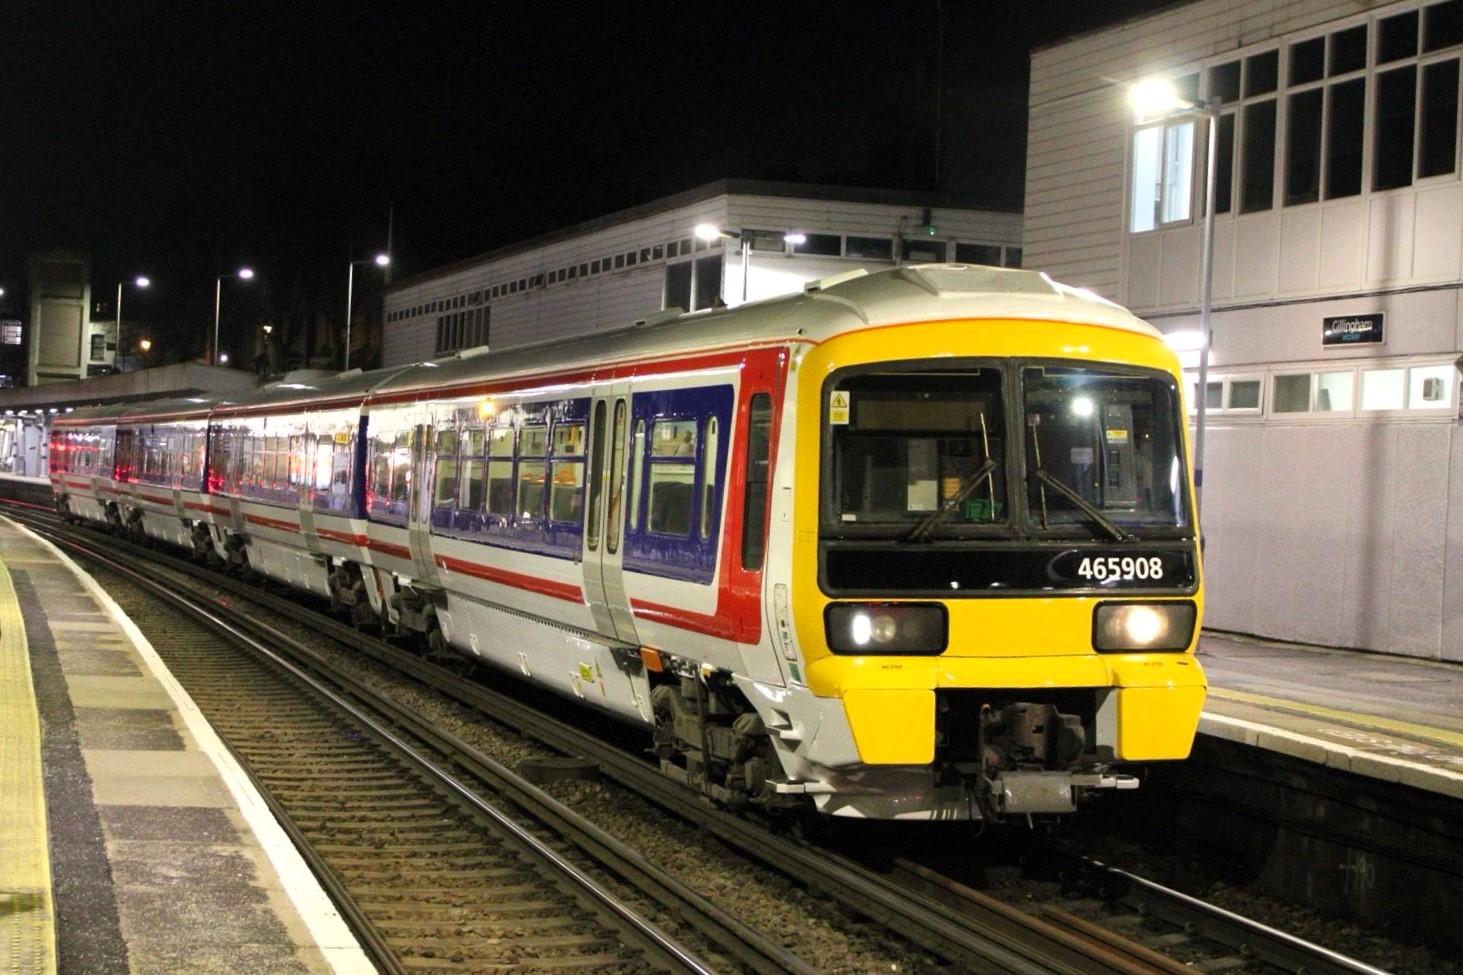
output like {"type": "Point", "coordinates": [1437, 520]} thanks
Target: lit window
{"type": "Point", "coordinates": [1163, 175]}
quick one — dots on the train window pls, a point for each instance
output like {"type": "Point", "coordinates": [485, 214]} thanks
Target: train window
{"type": "Point", "coordinates": [401, 467]}
{"type": "Point", "coordinates": [1101, 450]}
{"type": "Point", "coordinates": [471, 483]}
{"type": "Point", "coordinates": [322, 462]}
{"type": "Point", "coordinates": [567, 488]}
{"type": "Point", "coordinates": [672, 476]}
{"type": "Point", "coordinates": [637, 474]}
{"type": "Point", "coordinates": [617, 477]}
{"type": "Point", "coordinates": [596, 477]}
{"type": "Point", "coordinates": [532, 473]}
{"type": "Point", "coordinates": [708, 474]}
{"type": "Point", "coordinates": [759, 470]}
{"type": "Point", "coordinates": [444, 471]}
{"type": "Point", "coordinates": [905, 446]}
{"type": "Point", "coordinates": [500, 472]}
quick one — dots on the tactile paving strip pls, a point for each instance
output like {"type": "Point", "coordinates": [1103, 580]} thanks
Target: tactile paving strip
{"type": "Point", "coordinates": [27, 915]}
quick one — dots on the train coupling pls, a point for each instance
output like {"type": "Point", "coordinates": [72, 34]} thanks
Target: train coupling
{"type": "Point", "coordinates": [1035, 792]}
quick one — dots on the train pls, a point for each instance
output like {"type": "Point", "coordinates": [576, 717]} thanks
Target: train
{"type": "Point", "coordinates": [915, 544]}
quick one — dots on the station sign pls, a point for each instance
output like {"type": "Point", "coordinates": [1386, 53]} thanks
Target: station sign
{"type": "Point", "coordinates": [1352, 330]}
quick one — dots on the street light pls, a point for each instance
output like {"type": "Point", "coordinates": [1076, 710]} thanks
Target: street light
{"type": "Point", "coordinates": [1154, 99]}
{"type": "Point", "coordinates": [243, 274]}
{"type": "Point", "coordinates": [380, 260]}
{"type": "Point", "coordinates": [140, 282]}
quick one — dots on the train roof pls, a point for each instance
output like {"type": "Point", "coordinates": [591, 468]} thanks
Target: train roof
{"type": "Point", "coordinates": [825, 308]}
{"type": "Point", "coordinates": [856, 299]}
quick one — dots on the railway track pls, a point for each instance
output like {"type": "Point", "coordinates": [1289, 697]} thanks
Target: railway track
{"type": "Point", "coordinates": [432, 876]}
{"type": "Point", "coordinates": [943, 922]}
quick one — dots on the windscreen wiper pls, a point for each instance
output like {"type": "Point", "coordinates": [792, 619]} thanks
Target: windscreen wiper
{"type": "Point", "coordinates": [1088, 508]}
{"type": "Point", "coordinates": [948, 507]}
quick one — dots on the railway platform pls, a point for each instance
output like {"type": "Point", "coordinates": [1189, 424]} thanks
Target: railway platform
{"type": "Point", "coordinates": [132, 841]}
{"type": "Point", "coordinates": [1395, 719]}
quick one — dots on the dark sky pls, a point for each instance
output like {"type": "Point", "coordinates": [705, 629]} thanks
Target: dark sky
{"type": "Point", "coordinates": [182, 139]}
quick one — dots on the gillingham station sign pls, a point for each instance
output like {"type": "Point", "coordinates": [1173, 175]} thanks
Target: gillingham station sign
{"type": "Point", "coordinates": [1352, 330]}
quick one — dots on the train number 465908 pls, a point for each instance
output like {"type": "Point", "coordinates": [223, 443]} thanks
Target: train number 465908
{"type": "Point", "coordinates": [1124, 567]}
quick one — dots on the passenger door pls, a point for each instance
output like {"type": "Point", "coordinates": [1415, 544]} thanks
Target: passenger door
{"type": "Point", "coordinates": [604, 521]}
{"type": "Point", "coordinates": [419, 516]}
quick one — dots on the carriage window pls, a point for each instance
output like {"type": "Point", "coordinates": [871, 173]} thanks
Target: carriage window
{"type": "Point", "coordinates": [759, 470]}
{"type": "Point", "coordinates": [401, 467]}
{"type": "Point", "coordinates": [323, 451]}
{"type": "Point", "coordinates": [472, 483]}
{"type": "Point", "coordinates": [445, 472]}
{"type": "Point", "coordinates": [708, 475]}
{"type": "Point", "coordinates": [500, 471]}
{"type": "Point", "coordinates": [568, 472]}
{"type": "Point", "coordinates": [532, 472]}
{"type": "Point", "coordinates": [617, 477]}
{"type": "Point", "coordinates": [637, 473]}
{"type": "Point", "coordinates": [597, 479]}
{"type": "Point", "coordinates": [672, 476]}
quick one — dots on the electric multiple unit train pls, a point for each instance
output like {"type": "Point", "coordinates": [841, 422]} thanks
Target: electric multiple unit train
{"type": "Point", "coordinates": [916, 544]}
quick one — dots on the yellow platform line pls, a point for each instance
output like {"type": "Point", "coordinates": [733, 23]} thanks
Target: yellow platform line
{"type": "Point", "coordinates": [1405, 729]}
{"type": "Point", "coordinates": [27, 913]}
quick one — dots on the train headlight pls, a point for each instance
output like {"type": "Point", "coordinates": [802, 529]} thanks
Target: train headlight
{"type": "Point", "coordinates": [886, 627]}
{"type": "Point", "coordinates": [1136, 627]}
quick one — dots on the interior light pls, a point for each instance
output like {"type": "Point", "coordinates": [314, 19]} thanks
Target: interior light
{"type": "Point", "coordinates": [1082, 406]}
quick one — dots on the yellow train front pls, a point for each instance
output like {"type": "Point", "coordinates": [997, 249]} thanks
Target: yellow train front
{"type": "Point", "coordinates": [993, 582]}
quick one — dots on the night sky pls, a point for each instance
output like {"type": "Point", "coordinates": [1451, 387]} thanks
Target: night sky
{"type": "Point", "coordinates": [182, 140]}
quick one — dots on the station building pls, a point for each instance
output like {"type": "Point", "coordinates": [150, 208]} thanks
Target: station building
{"type": "Point", "coordinates": [1333, 464]}
{"type": "Point", "coordinates": [615, 270]}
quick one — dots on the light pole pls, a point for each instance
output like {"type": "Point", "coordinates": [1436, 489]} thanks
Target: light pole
{"type": "Point", "coordinates": [243, 274]}
{"type": "Point", "coordinates": [140, 282]}
{"type": "Point", "coordinates": [1154, 99]}
{"type": "Point", "coordinates": [380, 260]}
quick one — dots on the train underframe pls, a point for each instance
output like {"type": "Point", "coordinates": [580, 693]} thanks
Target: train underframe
{"type": "Point", "coordinates": [999, 754]}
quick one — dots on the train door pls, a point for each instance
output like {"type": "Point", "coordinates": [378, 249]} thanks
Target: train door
{"type": "Point", "coordinates": [419, 510]}
{"type": "Point", "coordinates": [604, 579]}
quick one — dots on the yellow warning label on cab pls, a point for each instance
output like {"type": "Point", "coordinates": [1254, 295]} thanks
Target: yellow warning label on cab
{"type": "Point", "coordinates": [838, 407]}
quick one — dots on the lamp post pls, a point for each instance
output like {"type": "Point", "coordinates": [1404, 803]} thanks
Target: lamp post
{"type": "Point", "coordinates": [140, 282]}
{"type": "Point", "coordinates": [243, 274]}
{"type": "Point", "coordinates": [380, 260]}
{"type": "Point", "coordinates": [1154, 99]}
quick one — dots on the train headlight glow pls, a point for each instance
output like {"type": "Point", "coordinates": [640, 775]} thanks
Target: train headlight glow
{"type": "Point", "coordinates": [886, 628]}
{"type": "Point", "coordinates": [1136, 627]}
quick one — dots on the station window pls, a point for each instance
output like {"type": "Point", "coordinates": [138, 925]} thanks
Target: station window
{"type": "Point", "coordinates": [693, 285]}
{"type": "Point", "coordinates": [871, 248]}
{"type": "Point", "coordinates": [989, 254]}
{"type": "Point", "coordinates": [819, 245]}
{"type": "Point", "coordinates": [765, 241]}
{"type": "Point", "coordinates": [1163, 175]}
{"type": "Point", "coordinates": [920, 250]}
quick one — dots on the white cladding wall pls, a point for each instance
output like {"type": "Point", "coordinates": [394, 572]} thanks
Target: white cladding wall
{"type": "Point", "coordinates": [1344, 531]}
{"type": "Point", "coordinates": [620, 297]}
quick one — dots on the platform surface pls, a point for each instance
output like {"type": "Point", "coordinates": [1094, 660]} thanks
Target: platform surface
{"type": "Point", "coordinates": [134, 843]}
{"type": "Point", "coordinates": [1398, 719]}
